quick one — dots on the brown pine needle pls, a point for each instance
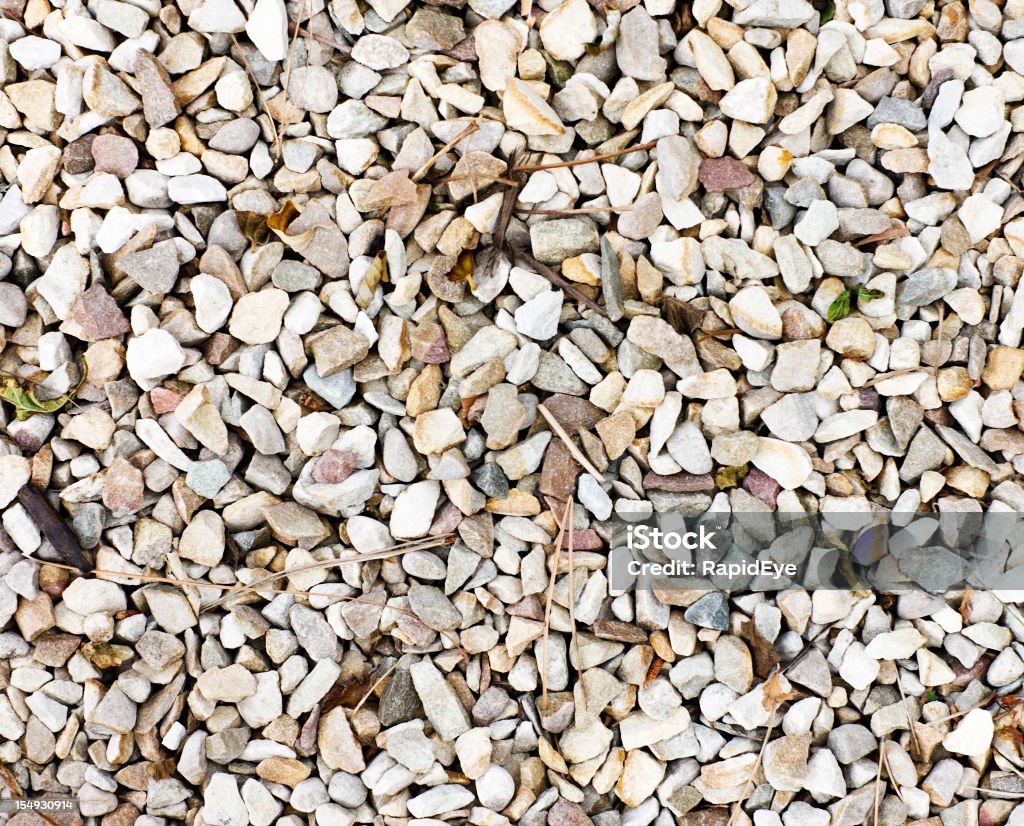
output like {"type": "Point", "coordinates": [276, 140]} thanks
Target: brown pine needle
{"type": "Point", "coordinates": [888, 771]}
{"type": "Point", "coordinates": [543, 269]}
{"type": "Point", "coordinates": [291, 47]}
{"type": "Point", "coordinates": [997, 793]}
{"type": "Point", "coordinates": [577, 211]}
{"type": "Point", "coordinates": [961, 713]}
{"type": "Point", "coordinates": [195, 583]}
{"type": "Point", "coordinates": [910, 722]}
{"type": "Point", "coordinates": [534, 167]}
{"type": "Point", "coordinates": [749, 783]}
{"type": "Point", "coordinates": [878, 781]}
{"type": "Point", "coordinates": [938, 352]}
{"type": "Point", "coordinates": [259, 96]}
{"type": "Point", "coordinates": [373, 687]}
{"type": "Point", "coordinates": [547, 610]}
{"type": "Point", "coordinates": [895, 374]}
{"type": "Point", "coordinates": [385, 553]}
{"type": "Point", "coordinates": [344, 48]}
{"type": "Point", "coordinates": [423, 170]}
{"type": "Point", "coordinates": [572, 597]}
{"type": "Point", "coordinates": [475, 176]}
{"type": "Point", "coordinates": [574, 451]}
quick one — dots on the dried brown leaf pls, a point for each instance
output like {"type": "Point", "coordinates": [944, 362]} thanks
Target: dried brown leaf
{"type": "Point", "coordinates": [774, 694]}
{"type": "Point", "coordinates": [378, 272]}
{"type": "Point", "coordinates": [682, 315]}
{"type": "Point", "coordinates": [653, 670]}
{"type": "Point", "coordinates": [897, 230]}
{"type": "Point", "coordinates": [763, 652]}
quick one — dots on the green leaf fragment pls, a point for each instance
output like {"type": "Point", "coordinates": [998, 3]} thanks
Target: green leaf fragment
{"type": "Point", "coordinates": [840, 308]}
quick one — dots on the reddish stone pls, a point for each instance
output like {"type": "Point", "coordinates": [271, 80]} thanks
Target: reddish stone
{"type": "Point", "coordinates": [559, 471]}
{"type": "Point", "coordinates": [476, 408]}
{"type": "Point", "coordinates": [679, 482]}
{"type": "Point", "coordinates": [464, 50]}
{"type": "Point", "coordinates": [218, 347]}
{"type": "Point", "coordinates": [124, 815]}
{"type": "Point", "coordinates": [77, 156]}
{"type": "Point", "coordinates": [566, 813]}
{"type": "Point", "coordinates": [115, 154]}
{"type": "Point", "coordinates": [334, 467]}
{"type": "Point", "coordinates": [446, 520]}
{"type": "Point", "coordinates": [123, 487]}
{"type": "Point", "coordinates": [760, 484]}
{"type": "Point", "coordinates": [96, 312]}
{"type": "Point", "coordinates": [867, 398]}
{"type": "Point", "coordinates": [573, 413]}
{"type": "Point", "coordinates": [528, 607]}
{"type": "Point", "coordinates": [795, 326]}
{"type": "Point", "coordinates": [586, 540]}
{"type": "Point", "coordinates": [717, 816]}
{"type": "Point", "coordinates": [720, 174]}
{"type": "Point", "coordinates": [164, 400]}
{"type": "Point", "coordinates": [429, 344]}
{"type": "Point", "coordinates": [939, 416]}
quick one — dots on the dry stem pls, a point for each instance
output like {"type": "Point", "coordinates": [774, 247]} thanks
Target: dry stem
{"type": "Point", "coordinates": [344, 48]}
{"type": "Point", "coordinates": [183, 583]}
{"type": "Point", "coordinates": [547, 610]}
{"type": "Point", "coordinates": [574, 451]}
{"type": "Point", "coordinates": [753, 772]}
{"type": "Point", "coordinates": [423, 170]}
{"type": "Point", "coordinates": [938, 355]}
{"type": "Point", "coordinates": [259, 96]}
{"type": "Point", "coordinates": [577, 211]}
{"type": "Point", "coordinates": [385, 553]}
{"type": "Point", "coordinates": [291, 47]}
{"type": "Point", "coordinates": [962, 712]}
{"type": "Point", "coordinates": [560, 282]}
{"type": "Point", "coordinates": [572, 597]}
{"type": "Point", "coordinates": [604, 156]}
{"type": "Point", "coordinates": [373, 687]}
{"type": "Point", "coordinates": [910, 722]}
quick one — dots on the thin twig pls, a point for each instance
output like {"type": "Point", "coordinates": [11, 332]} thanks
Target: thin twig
{"type": "Point", "coordinates": [572, 597]}
{"type": "Point", "coordinates": [195, 583]}
{"type": "Point", "coordinates": [878, 781]}
{"type": "Point", "coordinates": [895, 374]}
{"type": "Point", "coordinates": [384, 553]}
{"type": "Point", "coordinates": [938, 351]}
{"type": "Point", "coordinates": [344, 48]}
{"type": "Point", "coordinates": [753, 772]}
{"type": "Point", "coordinates": [888, 771]}
{"type": "Point", "coordinates": [291, 47]}
{"type": "Point", "coordinates": [997, 793]}
{"type": "Point", "coordinates": [962, 712]}
{"type": "Point", "coordinates": [560, 282]}
{"type": "Point", "coordinates": [910, 721]}
{"type": "Point", "coordinates": [534, 167]}
{"type": "Point", "coordinates": [499, 242]}
{"type": "Point", "coordinates": [574, 451]}
{"type": "Point", "coordinates": [373, 687]}
{"type": "Point", "coordinates": [577, 211]}
{"type": "Point", "coordinates": [259, 96]}
{"type": "Point", "coordinates": [423, 170]}
{"type": "Point", "coordinates": [805, 650]}
{"type": "Point", "coordinates": [495, 179]}
{"type": "Point", "coordinates": [547, 611]}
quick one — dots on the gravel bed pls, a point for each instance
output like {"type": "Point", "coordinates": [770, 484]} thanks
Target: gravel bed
{"type": "Point", "coordinates": [338, 339]}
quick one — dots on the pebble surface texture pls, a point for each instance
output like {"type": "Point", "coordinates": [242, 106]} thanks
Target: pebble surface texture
{"type": "Point", "coordinates": [377, 313]}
